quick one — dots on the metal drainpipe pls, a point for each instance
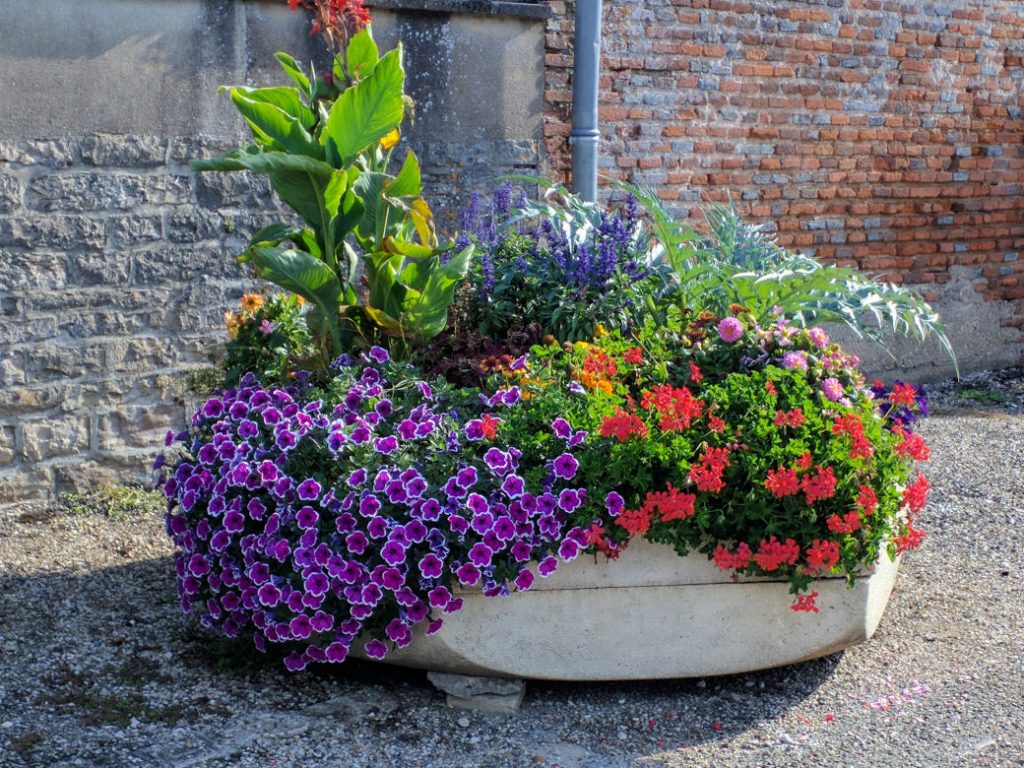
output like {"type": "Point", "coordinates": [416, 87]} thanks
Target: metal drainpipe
{"type": "Point", "coordinates": [585, 134]}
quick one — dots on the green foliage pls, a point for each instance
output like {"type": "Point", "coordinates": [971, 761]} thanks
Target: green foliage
{"type": "Point", "coordinates": [737, 392]}
{"type": "Point", "coordinates": [117, 502]}
{"type": "Point", "coordinates": [325, 145]}
{"type": "Point", "coordinates": [737, 263]}
{"type": "Point", "coordinates": [269, 337]}
{"type": "Point", "coordinates": [561, 262]}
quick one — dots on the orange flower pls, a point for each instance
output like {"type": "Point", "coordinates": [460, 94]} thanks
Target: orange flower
{"type": "Point", "coordinates": [250, 302]}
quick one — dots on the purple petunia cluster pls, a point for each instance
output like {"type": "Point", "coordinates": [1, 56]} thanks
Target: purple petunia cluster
{"type": "Point", "coordinates": [323, 519]}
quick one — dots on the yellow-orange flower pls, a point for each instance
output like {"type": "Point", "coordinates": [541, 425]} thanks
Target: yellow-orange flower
{"type": "Point", "coordinates": [233, 321]}
{"type": "Point", "coordinates": [251, 302]}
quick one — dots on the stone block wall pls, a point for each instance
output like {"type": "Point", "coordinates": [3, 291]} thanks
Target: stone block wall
{"type": "Point", "coordinates": [118, 261]}
{"type": "Point", "coordinates": [882, 134]}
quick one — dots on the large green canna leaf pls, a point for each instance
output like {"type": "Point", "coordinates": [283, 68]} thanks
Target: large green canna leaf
{"type": "Point", "coordinates": [285, 99]}
{"type": "Point", "coordinates": [428, 315]}
{"type": "Point", "coordinates": [408, 182]}
{"type": "Point", "coordinates": [304, 274]}
{"type": "Point", "coordinates": [299, 180]}
{"type": "Point", "coordinates": [366, 111]}
{"type": "Point", "coordinates": [361, 56]}
{"type": "Point", "coordinates": [273, 127]}
{"type": "Point", "coordinates": [292, 69]}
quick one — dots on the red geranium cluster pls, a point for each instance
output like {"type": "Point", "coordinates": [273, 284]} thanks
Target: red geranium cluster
{"type": "Point", "coordinates": [676, 406]}
{"type": "Point", "coordinates": [851, 425]}
{"type": "Point", "coordinates": [623, 426]}
{"type": "Point", "coordinates": [911, 444]}
{"type": "Point", "coordinates": [668, 505]}
{"type": "Point", "coordinates": [707, 474]}
{"type": "Point", "coordinates": [794, 418]}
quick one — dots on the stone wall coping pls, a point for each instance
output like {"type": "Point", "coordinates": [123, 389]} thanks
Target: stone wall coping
{"type": "Point", "coordinates": [534, 10]}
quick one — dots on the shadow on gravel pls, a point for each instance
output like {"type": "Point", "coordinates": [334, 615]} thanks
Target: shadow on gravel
{"type": "Point", "coordinates": [110, 648]}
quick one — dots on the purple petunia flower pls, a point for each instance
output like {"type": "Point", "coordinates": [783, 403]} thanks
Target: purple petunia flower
{"type": "Point", "coordinates": [269, 595]}
{"type": "Point", "coordinates": [369, 506]}
{"type": "Point", "coordinates": [569, 550]}
{"type": "Point", "coordinates": [392, 579]}
{"type": "Point", "coordinates": [439, 597]}
{"type": "Point", "coordinates": [498, 461]}
{"type": "Point", "coordinates": [480, 554]}
{"type": "Point", "coordinates": [468, 575]}
{"type": "Point", "coordinates": [316, 583]}
{"type": "Point", "coordinates": [569, 499]}
{"type": "Point", "coordinates": [504, 529]}
{"type": "Point", "coordinates": [547, 566]}
{"type": "Point", "coordinates": [430, 509]}
{"type": "Point", "coordinates": [524, 580]}
{"type": "Point", "coordinates": [296, 662]}
{"type": "Point", "coordinates": [377, 527]}
{"type": "Point", "coordinates": [393, 553]}
{"type": "Point", "coordinates": [614, 503]}
{"type": "Point", "coordinates": [336, 652]}
{"type": "Point", "coordinates": [379, 354]}
{"type": "Point", "coordinates": [521, 551]}
{"type": "Point", "coordinates": [458, 524]}
{"type": "Point", "coordinates": [385, 445]}
{"type": "Point", "coordinates": [430, 566]}
{"type": "Point", "coordinates": [376, 649]}
{"type": "Point", "coordinates": [477, 504]}
{"type": "Point", "coordinates": [513, 486]}
{"type": "Point", "coordinates": [198, 565]}
{"type": "Point", "coordinates": [306, 518]}
{"type": "Point", "coordinates": [565, 466]}
{"type": "Point", "coordinates": [234, 522]}
{"type": "Point", "coordinates": [466, 477]}
{"type": "Point", "coordinates": [561, 428]}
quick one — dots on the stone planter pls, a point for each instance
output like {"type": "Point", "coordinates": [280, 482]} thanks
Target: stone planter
{"type": "Point", "coordinates": [651, 614]}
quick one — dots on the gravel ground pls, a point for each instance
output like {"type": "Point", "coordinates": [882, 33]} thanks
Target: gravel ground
{"type": "Point", "coordinates": [99, 669]}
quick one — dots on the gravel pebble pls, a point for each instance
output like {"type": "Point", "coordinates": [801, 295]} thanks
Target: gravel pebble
{"type": "Point", "coordinates": [99, 668]}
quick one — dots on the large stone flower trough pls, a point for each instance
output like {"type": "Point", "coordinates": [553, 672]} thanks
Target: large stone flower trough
{"type": "Point", "coordinates": [650, 614]}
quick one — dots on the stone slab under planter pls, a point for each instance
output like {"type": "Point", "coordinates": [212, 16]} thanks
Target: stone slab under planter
{"type": "Point", "coordinates": [651, 614]}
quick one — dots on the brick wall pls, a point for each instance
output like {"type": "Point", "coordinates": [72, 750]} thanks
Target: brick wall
{"type": "Point", "coordinates": [888, 135]}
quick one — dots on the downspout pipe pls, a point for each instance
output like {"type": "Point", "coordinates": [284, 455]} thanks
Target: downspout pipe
{"type": "Point", "coordinates": [585, 135]}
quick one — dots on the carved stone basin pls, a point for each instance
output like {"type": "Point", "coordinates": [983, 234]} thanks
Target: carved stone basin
{"type": "Point", "coordinates": [650, 614]}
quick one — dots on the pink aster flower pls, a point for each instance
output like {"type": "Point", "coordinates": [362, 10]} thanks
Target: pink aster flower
{"type": "Point", "coordinates": [795, 361]}
{"type": "Point", "coordinates": [818, 337]}
{"type": "Point", "coordinates": [833, 389]}
{"type": "Point", "coordinates": [730, 330]}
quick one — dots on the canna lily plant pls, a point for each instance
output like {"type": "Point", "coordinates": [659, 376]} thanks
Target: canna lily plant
{"type": "Point", "coordinates": [366, 255]}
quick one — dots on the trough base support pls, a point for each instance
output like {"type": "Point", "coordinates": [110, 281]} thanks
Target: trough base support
{"type": "Point", "coordinates": [483, 694]}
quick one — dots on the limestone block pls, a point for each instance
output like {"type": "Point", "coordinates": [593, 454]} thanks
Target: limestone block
{"type": "Point", "coordinates": [10, 192]}
{"type": "Point", "coordinates": [7, 447]}
{"type": "Point", "coordinates": [25, 485]}
{"type": "Point", "coordinates": [31, 270]}
{"type": "Point", "coordinates": [122, 151]}
{"type": "Point", "coordinates": [50, 438]}
{"type": "Point", "coordinates": [57, 232]}
{"type": "Point", "coordinates": [125, 231]}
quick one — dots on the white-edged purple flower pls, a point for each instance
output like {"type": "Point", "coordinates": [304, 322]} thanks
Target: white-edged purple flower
{"type": "Point", "coordinates": [378, 354]}
{"type": "Point", "coordinates": [513, 486]}
{"type": "Point", "coordinates": [376, 649]}
{"type": "Point", "coordinates": [569, 550]}
{"type": "Point", "coordinates": [306, 517]}
{"type": "Point", "coordinates": [565, 466]}
{"type": "Point", "coordinates": [468, 575]}
{"type": "Point", "coordinates": [561, 428]}
{"type": "Point", "coordinates": [439, 597]}
{"type": "Point", "coordinates": [466, 477]}
{"type": "Point", "coordinates": [547, 566]}
{"type": "Point", "coordinates": [498, 461]}
{"type": "Point", "coordinates": [430, 566]}
{"type": "Point", "coordinates": [614, 503]}
{"type": "Point", "coordinates": [309, 490]}
{"type": "Point", "coordinates": [524, 580]}
{"type": "Point", "coordinates": [385, 445]}
{"type": "Point", "coordinates": [393, 552]}
{"type": "Point", "coordinates": [481, 555]}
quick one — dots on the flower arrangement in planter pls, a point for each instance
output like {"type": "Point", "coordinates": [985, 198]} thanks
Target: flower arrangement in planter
{"type": "Point", "coordinates": [623, 378]}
